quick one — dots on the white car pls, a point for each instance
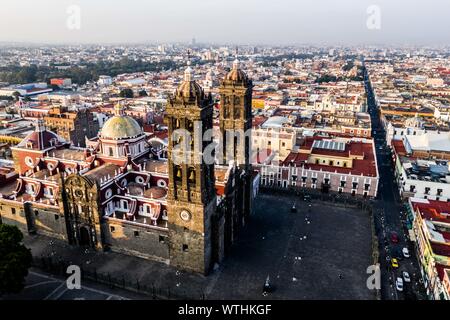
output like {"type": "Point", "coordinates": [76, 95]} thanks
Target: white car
{"type": "Point", "coordinates": [399, 284]}
{"type": "Point", "coordinates": [405, 252]}
{"type": "Point", "coordinates": [406, 276]}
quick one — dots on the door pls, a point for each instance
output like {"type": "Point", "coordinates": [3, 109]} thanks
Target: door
{"type": "Point", "coordinates": [84, 237]}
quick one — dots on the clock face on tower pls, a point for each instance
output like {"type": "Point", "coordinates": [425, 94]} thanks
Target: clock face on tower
{"type": "Point", "coordinates": [185, 215]}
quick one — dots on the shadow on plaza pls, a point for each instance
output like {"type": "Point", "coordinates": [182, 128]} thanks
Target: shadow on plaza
{"type": "Point", "coordinates": [249, 262]}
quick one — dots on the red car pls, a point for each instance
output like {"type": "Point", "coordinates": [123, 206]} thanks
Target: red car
{"type": "Point", "coordinates": [394, 237]}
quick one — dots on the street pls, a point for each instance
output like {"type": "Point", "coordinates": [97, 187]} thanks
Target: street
{"type": "Point", "coordinates": [389, 218]}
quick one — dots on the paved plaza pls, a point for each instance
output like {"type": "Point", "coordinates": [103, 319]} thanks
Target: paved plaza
{"type": "Point", "coordinates": [321, 251]}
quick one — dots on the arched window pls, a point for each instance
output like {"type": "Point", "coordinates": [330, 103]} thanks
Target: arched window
{"type": "Point", "coordinates": [178, 173]}
{"type": "Point", "coordinates": [191, 176]}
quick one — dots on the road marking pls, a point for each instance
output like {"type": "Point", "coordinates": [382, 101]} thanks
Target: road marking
{"type": "Point", "coordinates": [40, 283]}
{"type": "Point", "coordinates": [83, 287]}
{"type": "Point", "coordinates": [59, 287]}
{"type": "Point", "coordinates": [60, 294]}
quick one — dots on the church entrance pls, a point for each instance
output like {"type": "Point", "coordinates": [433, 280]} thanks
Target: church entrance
{"type": "Point", "coordinates": [84, 237]}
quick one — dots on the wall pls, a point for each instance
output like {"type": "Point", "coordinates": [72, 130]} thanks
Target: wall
{"type": "Point", "coordinates": [146, 244]}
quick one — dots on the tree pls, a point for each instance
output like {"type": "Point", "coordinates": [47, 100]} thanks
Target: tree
{"type": "Point", "coordinates": [15, 260]}
{"type": "Point", "coordinates": [126, 93]}
{"type": "Point", "coordinates": [16, 95]}
{"type": "Point", "coordinates": [143, 93]}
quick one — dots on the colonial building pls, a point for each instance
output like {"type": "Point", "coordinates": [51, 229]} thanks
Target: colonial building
{"type": "Point", "coordinates": [341, 165]}
{"type": "Point", "coordinates": [73, 125]}
{"type": "Point", "coordinates": [119, 193]}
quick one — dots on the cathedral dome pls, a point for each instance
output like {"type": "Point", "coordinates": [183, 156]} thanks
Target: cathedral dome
{"type": "Point", "coordinates": [189, 88]}
{"type": "Point", "coordinates": [236, 74]}
{"type": "Point", "coordinates": [120, 127]}
{"type": "Point", "coordinates": [41, 138]}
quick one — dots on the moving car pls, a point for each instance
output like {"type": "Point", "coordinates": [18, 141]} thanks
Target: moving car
{"type": "Point", "coordinates": [399, 284]}
{"type": "Point", "coordinates": [405, 252]}
{"type": "Point", "coordinates": [406, 276]}
{"type": "Point", "coordinates": [394, 237]}
{"type": "Point", "coordinates": [394, 263]}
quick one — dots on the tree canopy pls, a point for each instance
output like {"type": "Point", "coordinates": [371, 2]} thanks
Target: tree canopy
{"type": "Point", "coordinates": [126, 93]}
{"type": "Point", "coordinates": [86, 71]}
{"type": "Point", "coordinates": [15, 260]}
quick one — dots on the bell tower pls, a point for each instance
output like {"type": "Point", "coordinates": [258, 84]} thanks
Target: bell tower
{"type": "Point", "coordinates": [191, 196]}
{"type": "Point", "coordinates": [235, 128]}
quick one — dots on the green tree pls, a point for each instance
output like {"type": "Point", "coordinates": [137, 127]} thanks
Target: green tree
{"type": "Point", "coordinates": [15, 260]}
{"type": "Point", "coordinates": [126, 93]}
{"type": "Point", "coordinates": [16, 95]}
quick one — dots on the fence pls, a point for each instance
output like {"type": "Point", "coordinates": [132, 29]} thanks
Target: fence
{"type": "Point", "coordinates": [59, 267]}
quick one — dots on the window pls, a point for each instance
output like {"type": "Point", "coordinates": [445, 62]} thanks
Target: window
{"type": "Point", "coordinates": [411, 188]}
{"type": "Point", "coordinates": [283, 144]}
{"type": "Point", "coordinates": [111, 151]}
{"type": "Point", "coordinates": [136, 233]}
{"type": "Point", "coordinates": [185, 248]}
{"type": "Point", "coordinates": [112, 229]}
{"type": "Point", "coordinates": [355, 185]}
{"type": "Point", "coordinates": [36, 213]}
{"type": "Point", "coordinates": [366, 186]}
{"type": "Point", "coordinates": [427, 190]}
{"type": "Point", "coordinates": [56, 217]}
{"type": "Point", "coordinates": [13, 210]}
{"type": "Point", "coordinates": [161, 239]}
{"type": "Point", "coordinates": [342, 184]}
{"type": "Point", "coordinates": [439, 192]}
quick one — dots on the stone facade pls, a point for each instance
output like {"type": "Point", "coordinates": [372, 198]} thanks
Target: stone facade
{"type": "Point", "coordinates": [133, 200]}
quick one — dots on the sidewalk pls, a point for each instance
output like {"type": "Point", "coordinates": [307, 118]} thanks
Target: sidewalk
{"type": "Point", "coordinates": [132, 273]}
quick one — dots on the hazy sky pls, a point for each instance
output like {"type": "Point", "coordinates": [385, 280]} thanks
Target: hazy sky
{"type": "Point", "coordinates": [227, 21]}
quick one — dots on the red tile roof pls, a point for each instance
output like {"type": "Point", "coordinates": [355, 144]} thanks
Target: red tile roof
{"type": "Point", "coordinates": [399, 147]}
{"type": "Point", "coordinates": [366, 166]}
{"type": "Point", "coordinates": [433, 210]}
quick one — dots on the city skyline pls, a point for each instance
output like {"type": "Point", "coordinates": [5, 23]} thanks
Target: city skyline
{"type": "Point", "coordinates": [286, 22]}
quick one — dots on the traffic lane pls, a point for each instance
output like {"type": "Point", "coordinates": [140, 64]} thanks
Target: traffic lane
{"type": "Point", "coordinates": [40, 286]}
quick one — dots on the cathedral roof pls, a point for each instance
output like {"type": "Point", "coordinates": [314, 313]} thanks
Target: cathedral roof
{"type": "Point", "coordinates": [41, 138]}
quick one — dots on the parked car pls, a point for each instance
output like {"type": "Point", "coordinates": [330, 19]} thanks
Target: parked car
{"type": "Point", "coordinates": [406, 276]}
{"type": "Point", "coordinates": [394, 263]}
{"type": "Point", "coordinates": [394, 237]}
{"type": "Point", "coordinates": [405, 252]}
{"type": "Point", "coordinates": [399, 284]}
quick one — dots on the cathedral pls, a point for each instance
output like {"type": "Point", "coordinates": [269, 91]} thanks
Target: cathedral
{"type": "Point", "coordinates": [120, 193]}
